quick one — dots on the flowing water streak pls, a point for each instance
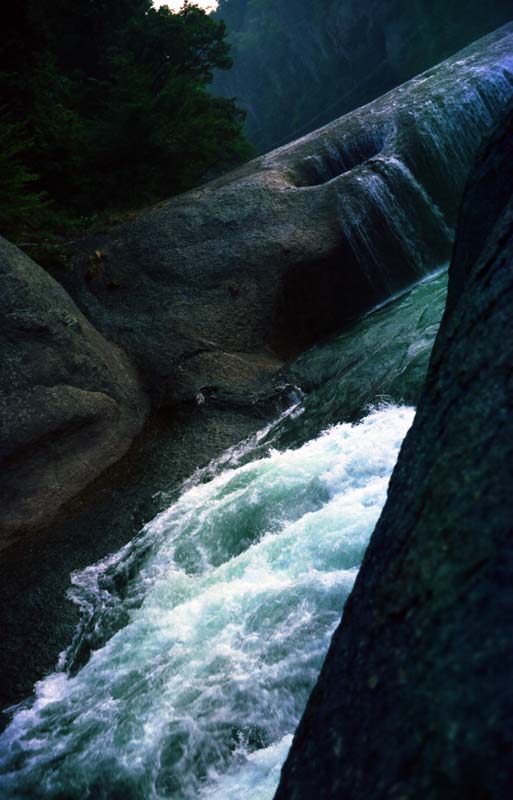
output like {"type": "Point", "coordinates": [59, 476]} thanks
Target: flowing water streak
{"type": "Point", "coordinates": [393, 194]}
{"type": "Point", "coordinates": [227, 623]}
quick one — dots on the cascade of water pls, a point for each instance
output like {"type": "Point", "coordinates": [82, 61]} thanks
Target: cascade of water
{"type": "Point", "coordinates": [455, 124]}
{"type": "Point", "coordinates": [388, 214]}
{"type": "Point", "coordinates": [397, 208]}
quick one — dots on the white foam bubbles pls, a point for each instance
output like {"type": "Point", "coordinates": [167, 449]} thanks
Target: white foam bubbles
{"type": "Point", "coordinates": [227, 621]}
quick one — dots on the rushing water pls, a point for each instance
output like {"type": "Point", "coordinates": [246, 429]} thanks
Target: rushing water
{"type": "Point", "coordinates": [203, 637]}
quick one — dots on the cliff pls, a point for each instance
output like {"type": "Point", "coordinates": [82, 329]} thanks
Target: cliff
{"type": "Point", "coordinates": [415, 696]}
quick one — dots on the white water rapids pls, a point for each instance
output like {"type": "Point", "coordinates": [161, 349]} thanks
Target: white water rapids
{"type": "Point", "coordinates": [227, 622]}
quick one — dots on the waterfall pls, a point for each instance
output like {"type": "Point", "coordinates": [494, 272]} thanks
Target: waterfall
{"type": "Point", "coordinates": [386, 214]}
{"type": "Point", "coordinates": [201, 639]}
{"type": "Point", "coordinates": [395, 170]}
{"type": "Point", "coordinates": [397, 209]}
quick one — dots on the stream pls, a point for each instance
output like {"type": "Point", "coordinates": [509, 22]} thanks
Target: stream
{"type": "Point", "coordinates": [200, 640]}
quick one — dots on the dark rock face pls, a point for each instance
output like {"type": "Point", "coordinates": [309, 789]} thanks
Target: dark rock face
{"type": "Point", "coordinates": [267, 259]}
{"type": "Point", "coordinates": [415, 699]}
{"type": "Point", "coordinates": [70, 402]}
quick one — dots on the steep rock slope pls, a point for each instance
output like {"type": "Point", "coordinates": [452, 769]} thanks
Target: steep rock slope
{"type": "Point", "coordinates": [279, 253]}
{"type": "Point", "coordinates": [415, 698]}
{"type": "Point", "coordinates": [70, 402]}
{"type": "Point", "coordinates": [298, 65]}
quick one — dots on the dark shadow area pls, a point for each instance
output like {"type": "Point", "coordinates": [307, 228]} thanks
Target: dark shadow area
{"type": "Point", "coordinates": [318, 298]}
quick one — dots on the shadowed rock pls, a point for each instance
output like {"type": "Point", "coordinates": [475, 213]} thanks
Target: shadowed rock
{"type": "Point", "coordinates": [70, 402]}
{"type": "Point", "coordinates": [415, 699]}
{"type": "Point", "coordinates": [283, 251]}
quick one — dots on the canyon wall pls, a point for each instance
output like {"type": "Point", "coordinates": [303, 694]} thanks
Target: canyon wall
{"type": "Point", "coordinates": [299, 65]}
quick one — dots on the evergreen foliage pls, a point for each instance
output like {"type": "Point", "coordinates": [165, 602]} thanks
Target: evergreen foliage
{"type": "Point", "coordinates": [18, 202]}
{"type": "Point", "coordinates": [108, 103]}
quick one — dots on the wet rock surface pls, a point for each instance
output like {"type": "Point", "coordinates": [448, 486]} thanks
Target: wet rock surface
{"type": "Point", "coordinates": [415, 696]}
{"type": "Point", "coordinates": [266, 260]}
{"type": "Point", "coordinates": [381, 358]}
{"type": "Point", "coordinates": [70, 402]}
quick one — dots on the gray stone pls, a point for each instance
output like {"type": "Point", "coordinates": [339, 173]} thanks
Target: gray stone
{"type": "Point", "coordinates": [70, 402]}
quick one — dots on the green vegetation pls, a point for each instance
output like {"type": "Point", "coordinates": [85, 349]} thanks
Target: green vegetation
{"type": "Point", "coordinates": [18, 202]}
{"type": "Point", "coordinates": [105, 105]}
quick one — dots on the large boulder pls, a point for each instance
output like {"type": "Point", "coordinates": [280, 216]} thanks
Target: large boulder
{"type": "Point", "coordinates": [269, 258]}
{"type": "Point", "coordinates": [415, 699]}
{"type": "Point", "coordinates": [70, 402]}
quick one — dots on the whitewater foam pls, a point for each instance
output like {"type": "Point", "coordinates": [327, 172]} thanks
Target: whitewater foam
{"type": "Point", "coordinates": [230, 599]}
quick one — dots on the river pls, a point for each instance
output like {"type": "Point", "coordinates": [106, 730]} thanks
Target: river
{"type": "Point", "coordinates": [200, 640]}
